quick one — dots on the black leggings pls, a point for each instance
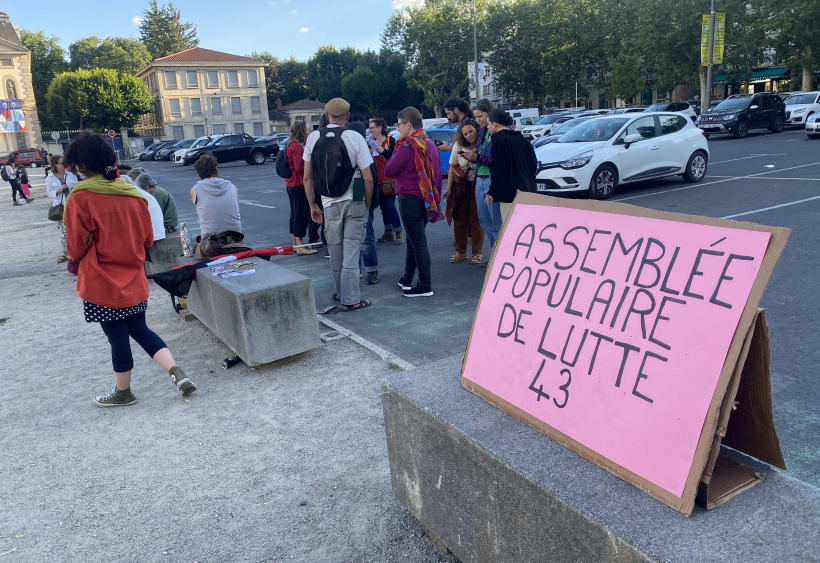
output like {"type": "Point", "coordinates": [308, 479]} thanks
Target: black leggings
{"type": "Point", "coordinates": [15, 187]}
{"type": "Point", "coordinates": [118, 333]}
{"type": "Point", "coordinates": [299, 211]}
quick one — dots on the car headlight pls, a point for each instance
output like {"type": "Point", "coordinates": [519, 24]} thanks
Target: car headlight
{"type": "Point", "coordinates": [577, 161]}
{"type": "Point", "coordinates": [812, 119]}
{"type": "Point", "coordinates": [801, 110]}
{"type": "Point", "coordinates": [729, 117]}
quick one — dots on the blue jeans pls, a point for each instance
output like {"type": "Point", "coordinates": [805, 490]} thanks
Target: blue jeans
{"type": "Point", "coordinates": [488, 215]}
{"type": "Point", "coordinates": [369, 257]}
{"type": "Point", "coordinates": [390, 215]}
{"type": "Point", "coordinates": [414, 216]}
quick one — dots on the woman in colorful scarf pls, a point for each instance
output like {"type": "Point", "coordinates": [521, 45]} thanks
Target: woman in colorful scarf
{"type": "Point", "coordinates": [108, 228]}
{"type": "Point", "coordinates": [416, 166]}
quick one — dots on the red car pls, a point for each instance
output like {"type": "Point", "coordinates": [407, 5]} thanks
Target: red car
{"type": "Point", "coordinates": [26, 157]}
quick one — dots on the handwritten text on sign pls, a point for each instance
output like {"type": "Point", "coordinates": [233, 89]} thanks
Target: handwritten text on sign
{"type": "Point", "coordinates": [614, 329]}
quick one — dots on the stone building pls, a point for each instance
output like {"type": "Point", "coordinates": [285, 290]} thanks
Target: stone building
{"type": "Point", "coordinates": [309, 111]}
{"type": "Point", "coordinates": [200, 92]}
{"type": "Point", "coordinates": [19, 124]}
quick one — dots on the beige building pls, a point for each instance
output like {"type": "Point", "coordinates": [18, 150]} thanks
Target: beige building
{"type": "Point", "coordinates": [19, 125]}
{"type": "Point", "coordinates": [200, 92]}
{"type": "Point", "coordinates": [309, 111]}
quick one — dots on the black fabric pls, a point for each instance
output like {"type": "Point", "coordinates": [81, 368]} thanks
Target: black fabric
{"type": "Point", "coordinates": [513, 167]}
{"type": "Point", "coordinates": [177, 282]}
{"type": "Point", "coordinates": [330, 163]}
{"type": "Point", "coordinates": [118, 333]}
{"type": "Point", "coordinates": [282, 168]}
{"type": "Point", "coordinates": [299, 211]}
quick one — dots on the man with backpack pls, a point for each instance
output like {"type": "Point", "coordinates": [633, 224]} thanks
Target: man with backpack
{"type": "Point", "coordinates": [337, 167]}
{"type": "Point", "coordinates": [9, 174]}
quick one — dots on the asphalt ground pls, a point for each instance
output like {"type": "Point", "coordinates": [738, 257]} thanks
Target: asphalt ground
{"type": "Point", "coordinates": [765, 178]}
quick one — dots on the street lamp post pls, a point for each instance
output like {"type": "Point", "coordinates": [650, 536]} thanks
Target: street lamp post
{"type": "Point", "coordinates": [475, 54]}
{"type": "Point", "coordinates": [707, 95]}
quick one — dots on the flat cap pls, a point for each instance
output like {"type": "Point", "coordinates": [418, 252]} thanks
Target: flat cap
{"type": "Point", "coordinates": [337, 107]}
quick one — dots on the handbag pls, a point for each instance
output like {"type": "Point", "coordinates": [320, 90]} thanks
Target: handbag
{"type": "Point", "coordinates": [55, 212]}
{"type": "Point", "coordinates": [388, 187]}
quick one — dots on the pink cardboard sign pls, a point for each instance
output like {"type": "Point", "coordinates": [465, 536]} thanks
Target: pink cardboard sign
{"type": "Point", "coordinates": [613, 329]}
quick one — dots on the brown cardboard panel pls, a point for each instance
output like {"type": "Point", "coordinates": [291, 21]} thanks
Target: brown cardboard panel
{"type": "Point", "coordinates": [777, 242]}
{"type": "Point", "coordinates": [729, 480]}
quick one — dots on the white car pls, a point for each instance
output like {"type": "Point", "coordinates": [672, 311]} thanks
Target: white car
{"type": "Point", "coordinates": [179, 156]}
{"type": "Point", "coordinates": [800, 106]}
{"type": "Point", "coordinates": [678, 107]}
{"type": "Point", "coordinates": [605, 152]}
{"type": "Point", "coordinates": [813, 126]}
{"type": "Point", "coordinates": [544, 125]}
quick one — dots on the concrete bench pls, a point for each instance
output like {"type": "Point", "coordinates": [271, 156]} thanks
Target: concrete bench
{"type": "Point", "coordinates": [164, 254]}
{"type": "Point", "coordinates": [491, 489]}
{"type": "Point", "coordinates": [262, 317]}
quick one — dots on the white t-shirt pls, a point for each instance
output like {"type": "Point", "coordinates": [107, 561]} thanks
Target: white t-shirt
{"type": "Point", "coordinates": [357, 150]}
{"type": "Point", "coordinates": [157, 223]}
{"type": "Point", "coordinates": [53, 184]}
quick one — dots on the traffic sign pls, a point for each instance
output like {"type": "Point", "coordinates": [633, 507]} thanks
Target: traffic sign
{"type": "Point", "coordinates": [112, 133]}
{"type": "Point", "coordinates": [55, 135]}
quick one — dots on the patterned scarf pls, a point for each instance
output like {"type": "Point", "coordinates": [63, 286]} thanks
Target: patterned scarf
{"type": "Point", "coordinates": [424, 170]}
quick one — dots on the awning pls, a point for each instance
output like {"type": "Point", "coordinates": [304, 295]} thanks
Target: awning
{"type": "Point", "coordinates": [757, 75]}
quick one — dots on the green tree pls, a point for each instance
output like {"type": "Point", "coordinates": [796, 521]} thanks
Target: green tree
{"type": "Point", "coordinates": [47, 61]}
{"type": "Point", "coordinates": [435, 44]}
{"type": "Point", "coordinates": [119, 53]}
{"type": "Point", "coordinates": [797, 39]}
{"type": "Point", "coordinates": [377, 83]}
{"type": "Point", "coordinates": [98, 99]}
{"type": "Point", "coordinates": [163, 33]}
{"type": "Point", "coordinates": [746, 38]}
{"type": "Point", "coordinates": [285, 80]}
{"type": "Point", "coordinates": [328, 67]}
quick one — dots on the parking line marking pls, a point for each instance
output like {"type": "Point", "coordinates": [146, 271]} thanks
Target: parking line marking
{"type": "Point", "coordinates": [748, 157]}
{"type": "Point", "coordinates": [713, 183]}
{"type": "Point", "coordinates": [770, 208]}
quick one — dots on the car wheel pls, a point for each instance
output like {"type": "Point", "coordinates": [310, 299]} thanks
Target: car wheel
{"type": "Point", "coordinates": [778, 125]}
{"type": "Point", "coordinates": [142, 157]}
{"type": "Point", "coordinates": [33, 165]}
{"type": "Point", "coordinates": [259, 157]}
{"type": "Point", "coordinates": [603, 182]}
{"type": "Point", "coordinates": [742, 130]}
{"type": "Point", "coordinates": [812, 136]}
{"type": "Point", "coordinates": [696, 167]}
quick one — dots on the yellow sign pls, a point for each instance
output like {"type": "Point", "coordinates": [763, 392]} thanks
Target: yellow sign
{"type": "Point", "coordinates": [720, 33]}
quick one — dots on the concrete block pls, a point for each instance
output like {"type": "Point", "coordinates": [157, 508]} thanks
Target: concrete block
{"type": "Point", "coordinates": [186, 315]}
{"type": "Point", "coordinates": [164, 254]}
{"type": "Point", "coordinates": [262, 317]}
{"type": "Point", "coordinates": [492, 489]}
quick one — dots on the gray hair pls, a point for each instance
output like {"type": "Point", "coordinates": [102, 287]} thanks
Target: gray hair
{"type": "Point", "coordinates": [134, 172]}
{"type": "Point", "coordinates": [145, 181]}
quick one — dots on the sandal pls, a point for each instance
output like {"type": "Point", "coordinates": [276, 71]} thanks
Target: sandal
{"type": "Point", "coordinates": [62, 259]}
{"type": "Point", "coordinates": [457, 258]}
{"type": "Point", "coordinates": [363, 304]}
{"type": "Point", "coordinates": [476, 259]}
{"type": "Point", "coordinates": [335, 297]}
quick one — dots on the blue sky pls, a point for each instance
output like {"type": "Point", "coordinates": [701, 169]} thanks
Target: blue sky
{"type": "Point", "coordinates": [283, 27]}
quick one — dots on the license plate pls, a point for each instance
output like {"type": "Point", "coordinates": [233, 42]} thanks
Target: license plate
{"type": "Point", "coordinates": [540, 186]}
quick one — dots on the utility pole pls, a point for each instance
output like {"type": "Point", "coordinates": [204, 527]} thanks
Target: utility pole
{"type": "Point", "coordinates": [707, 95]}
{"type": "Point", "coordinates": [475, 54]}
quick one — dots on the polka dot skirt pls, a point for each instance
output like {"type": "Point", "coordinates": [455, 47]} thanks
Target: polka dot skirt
{"type": "Point", "coordinates": [98, 313]}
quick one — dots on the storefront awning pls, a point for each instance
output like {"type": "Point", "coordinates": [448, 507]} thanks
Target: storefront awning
{"type": "Point", "coordinates": [763, 75]}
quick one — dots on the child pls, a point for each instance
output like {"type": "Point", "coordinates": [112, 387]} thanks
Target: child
{"type": "Point", "coordinates": [22, 179]}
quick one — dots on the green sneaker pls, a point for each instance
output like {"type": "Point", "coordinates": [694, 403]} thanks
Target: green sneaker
{"type": "Point", "coordinates": [116, 398]}
{"type": "Point", "coordinates": [185, 385]}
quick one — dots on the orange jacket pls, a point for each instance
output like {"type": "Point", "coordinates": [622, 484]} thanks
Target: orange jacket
{"type": "Point", "coordinates": [111, 265]}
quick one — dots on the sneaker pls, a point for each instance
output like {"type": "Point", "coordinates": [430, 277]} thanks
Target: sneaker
{"type": "Point", "coordinates": [327, 254]}
{"type": "Point", "coordinates": [399, 238]}
{"type": "Point", "coordinates": [404, 284]}
{"type": "Point", "coordinates": [418, 291]}
{"type": "Point", "coordinates": [386, 237]}
{"type": "Point", "coordinates": [116, 398]}
{"type": "Point", "coordinates": [305, 251]}
{"type": "Point", "coordinates": [185, 385]}
{"type": "Point", "coordinates": [29, 199]}
{"type": "Point", "coordinates": [17, 203]}
{"type": "Point", "coordinates": [372, 278]}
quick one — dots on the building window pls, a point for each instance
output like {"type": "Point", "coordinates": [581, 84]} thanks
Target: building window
{"type": "Point", "coordinates": [233, 79]}
{"type": "Point", "coordinates": [199, 130]}
{"type": "Point", "coordinates": [255, 104]}
{"type": "Point", "coordinates": [178, 133]}
{"type": "Point", "coordinates": [257, 129]}
{"type": "Point", "coordinates": [170, 79]}
{"type": "Point", "coordinates": [216, 106]}
{"type": "Point", "coordinates": [11, 89]}
{"type": "Point", "coordinates": [253, 79]}
{"type": "Point", "coordinates": [6, 62]}
{"type": "Point", "coordinates": [213, 79]}
{"type": "Point", "coordinates": [300, 118]}
{"type": "Point", "coordinates": [219, 129]}
{"type": "Point", "coordinates": [196, 106]}
{"type": "Point", "coordinates": [174, 105]}
{"type": "Point", "coordinates": [236, 105]}
{"type": "Point", "coordinates": [238, 128]}
{"type": "Point", "coordinates": [315, 118]}
{"type": "Point", "coordinates": [193, 81]}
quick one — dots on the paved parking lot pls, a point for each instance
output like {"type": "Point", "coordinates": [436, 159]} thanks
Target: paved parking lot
{"type": "Point", "coordinates": [764, 178]}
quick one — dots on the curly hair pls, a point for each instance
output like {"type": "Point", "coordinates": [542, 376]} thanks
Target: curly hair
{"type": "Point", "coordinates": [460, 139]}
{"type": "Point", "coordinates": [381, 123]}
{"type": "Point", "coordinates": [298, 132]}
{"type": "Point", "coordinates": [205, 166]}
{"type": "Point", "coordinates": [90, 152]}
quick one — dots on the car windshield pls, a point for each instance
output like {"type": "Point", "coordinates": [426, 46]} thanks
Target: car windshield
{"type": "Point", "coordinates": [657, 107]}
{"type": "Point", "coordinates": [733, 103]}
{"type": "Point", "coordinates": [801, 99]}
{"type": "Point", "coordinates": [594, 130]}
{"type": "Point", "coordinates": [200, 142]}
{"type": "Point", "coordinates": [210, 142]}
{"type": "Point", "coordinates": [547, 120]}
{"type": "Point", "coordinates": [568, 125]}
{"type": "Point", "coordinates": [152, 147]}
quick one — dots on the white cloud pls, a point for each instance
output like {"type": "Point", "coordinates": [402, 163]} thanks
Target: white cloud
{"type": "Point", "coordinates": [136, 20]}
{"type": "Point", "coordinates": [292, 12]}
{"type": "Point", "coordinates": [304, 29]}
{"type": "Point", "coordinates": [402, 4]}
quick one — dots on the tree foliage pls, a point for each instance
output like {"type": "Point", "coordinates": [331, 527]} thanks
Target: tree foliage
{"type": "Point", "coordinates": [378, 83]}
{"type": "Point", "coordinates": [98, 99]}
{"type": "Point", "coordinates": [797, 39]}
{"type": "Point", "coordinates": [118, 53]}
{"type": "Point", "coordinates": [328, 67]}
{"type": "Point", "coordinates": [163, 33]}
{"type": "Point", "coordinates": [285, 80]}
{"type": "Point", "coordinates": [47, 61]}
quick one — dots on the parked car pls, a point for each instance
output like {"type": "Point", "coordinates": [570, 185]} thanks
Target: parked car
{"type": "Point", "coordinates": [167, 153]}
{"type": "Point", "coordinates": [519, 122]}
{"type": "Point", "coordinates": [678, 107]}
{"type": "Point", "coordinates": [26, 157]}
{"type": "Point", "coordinates": [179, 155]}
{"type": "Point", "coordinates": [631, 109]}
{"type": "Point", "coordinates": [281, 138]}
{"type": "Point", "coordinates": [813, 126]}
{"type": "Point", "coordinates": [605, 152]}
{"type": "Point", "coordinates": [739, 113]}
{"type": "Point", "coordinates": [799, 107]}
{"type": "Point", "coordinates": [557, 132]}
{"type": "Point", "coordinates": [441, 136]}
{"type": "Point", "coordinates": [149, 153]}
{"type": "Point", "coordinates": [141, 154]}
{"type": "Point", "coordinates": [544, 125]}
{"type": "Point", "coordinates": [230, 148]}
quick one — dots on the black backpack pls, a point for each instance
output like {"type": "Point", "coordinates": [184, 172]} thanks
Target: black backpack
{"type": "Point", "coordinates": [3, 173]}
{"type": "Point", "coordinates": [330, 163]}
{"type": "Point", "coordinates": [282, 168]}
